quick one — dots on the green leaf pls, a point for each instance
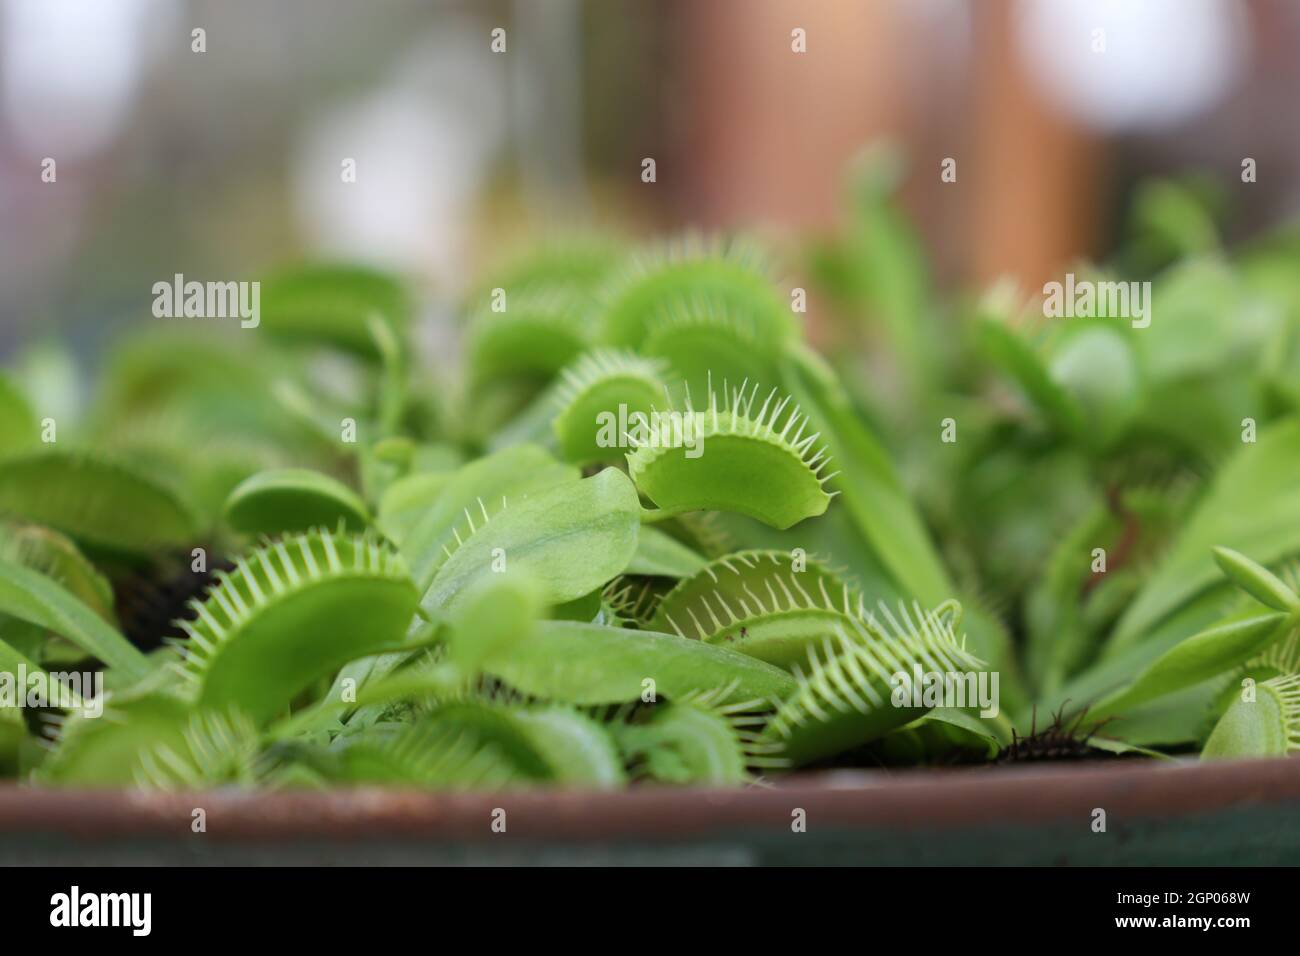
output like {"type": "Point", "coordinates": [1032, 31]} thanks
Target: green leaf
{"type": "Point", "coordinates": [406, 500]}
{"type": "Point", "coordinates": [860, 687]}
{"type": "Point", "coordinates": [544, 744]}
{"type": "Point", "coordinates": [110, 750]}
{"type": "Point", "coordinates": [1206, 320]}
{"type": "Point", "coordinates": [19, 429]}
{"type": "Point", "coordinates": [533, 744]}
{"type": "Point", "coordinates": [12, 665]}
{"type": "Point", "coordinates": [503, 611]}
{"type": "Point", "coordinates": [1257, 581]}
{"type": "Point", "coordinates": [730, 277]}
{"type": "Point", "coordinates": [696, 741]}
{"type": "Point", "coordinates": [662, 555]}
{"type": "Point", "coordinates": [571, 538]}
{"type": "Point", "coordinates": [579, 261]}
{"type": "Point", "coordinates": [31, 596]}
{"type": "Point", "coordinates": [1196, 659]}
{"type": "Point", "coordinates": [595, 664]}
{"type": "Point", "coordinates": [761, 603]}
{"type": "Point", "coordinates": [55, 556]}
{"type": "Point", "coordinates": [216, 750]}
{"type": "Point", "coordinates": [292, 500]}
{"type": "Point", "coordinates": [332, 305]}
{"type": "Point", "coordinates": [1252, 506]}
{"type": "Point", "coordinates": [531, 338]}
{"type": "Point", "coordinates": [292, 612]}
{"type": "Point", "coordinates": [1094, 364]}
{"type": "Point", "coordinates": [1267, 726]}
{"type": "Point", "coordinates": [888, 254]}
{"type": "Point", "coordinates": [419, 754]}
{"type": "Point", "coordinates": [1015, 356]}
{"type": "Point", "coordinates": [706, 340]}
{"type": "Point", "coordinates": [99, 503]}
{"type": "Point", "coordinates": [517, 472]}
{"type": "Point", "coordinates": [871, 488]}
{"type": "Point", "coordinates": [764, 464]}
{"type": "Point", "coordinates": [601, 387]}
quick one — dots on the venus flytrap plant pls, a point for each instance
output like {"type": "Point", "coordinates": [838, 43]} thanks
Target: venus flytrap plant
{"type": "Point", "coordinates": [1250, 506]}
{"type": "Point", "coordinates": [1267, 725]}
{"type": "Point", "coordinates": [294, 500]}
{"type": "Point", "coordinates": [27, 595]}
{"type": "Point", "coordinates": [576, 262]}
{"type": "Point", "coordinates": [695, 739]}
{"type": "Point", "coordinates": [706, 338]}
{"type": "Point", "coordinates": [631, 601]}
{"type": "Point", "coordinates": [1060, 370]}
{"type": "Point", "coordinates": [666, 284]}
{"type": "Point", "coordinates": [758, 603]}
{"type": "Point", "coordinates": [215, 749]}
{"type": "Point", "coordinates": [294, 610]}
{"type": "Point", "coordinates": [848, 696]}
{"type": "Point", "coordinates": [1259, 582]}
{"type": "Point", "coordinates": [596, 664]}
{"type": "Point", "coordinates": [658, 554]}
{"type": "Point", "coordinates": [599, 394]}
{"type": "Point", "coordinates": [1198, 660]}
{"type": "Point", "coordinates": [882, 515]}
{"type": "Point", "coordinates": [506, 587]}
{"type": "Point", "coordinates": [101, 503]}
{"type": "Point", "coordinates": [529, 335]}
{"type": "Point", "coordinates": [572, 537]}
{"type": "Point", "coordinates": [405, 500]}
{"type": "Point", "coordinates": [515, 472]}
{"type": "Point", "coordinates": [113, 750]}
{"type": "Point", "coordinates": [19, 429]}
{"type": "Point", "coordinates": [760, 460]}
{"type": "Point", "coordinates": [1075, 603]}
{"type": "Point", "coordinates": [545, 743]}
{"type": "Point", "coordinates": [331, 305]}
{"type": "Point", "coordinates": [1264, 722]}
{"type": "Point", "coordinates": [417, 755]}
{"type": "Point", "coordinates": [57, 557]}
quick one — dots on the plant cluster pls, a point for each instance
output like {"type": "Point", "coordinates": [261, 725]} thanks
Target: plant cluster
{"type": "Point", "coordinates": [298, 557]}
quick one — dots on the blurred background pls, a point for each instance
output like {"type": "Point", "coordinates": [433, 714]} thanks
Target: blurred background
{"type": "Point", "coordinates": [224, 163]}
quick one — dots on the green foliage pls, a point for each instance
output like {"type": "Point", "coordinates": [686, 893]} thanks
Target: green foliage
{"type": "Point", "coordinates": [602, 555]}
{"type": "Point", "coordinates": [30, 596]}
{"type": "Point", "coordinates": [1252, 505]}
{"type": "Point", "coordinates": [848, 696]}
{"type": "Point", "coordinates": [291, 612]}
{"type": "Point", "coordinates": [762, 463]}
{"type": "Point", "coordinates": [332, 304]}
{"type": "Point", "coordinates": [1267, 725]}
{"type": "Point", "coordinates": [760, 603]}
{"type": "Point", "coordinates": [598, 664]}
{"type": "Point", "coordinates": [101, 503]}
{"type": "Point", "coordinates": [295, 499]}
{"type": "Point", "coordinates": [603, 386]}
{"type": "Point", "coordinates": [572, 538]}
{"type": "Point", "coordinates": [18, 426]}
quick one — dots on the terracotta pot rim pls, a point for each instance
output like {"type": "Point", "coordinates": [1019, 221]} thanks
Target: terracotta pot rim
{"type": "Point", "coordinates": [960, 798]}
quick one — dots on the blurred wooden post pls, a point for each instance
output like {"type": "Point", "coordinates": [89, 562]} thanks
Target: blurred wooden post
{"type": "Point", "coordinates": [771, 130]}
{"type": "Point", "coordinates": [1035, 173]}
